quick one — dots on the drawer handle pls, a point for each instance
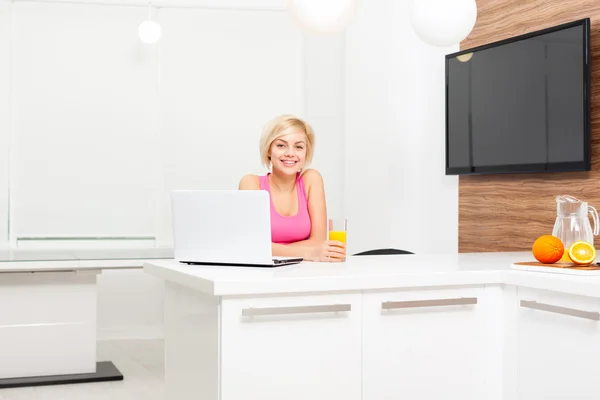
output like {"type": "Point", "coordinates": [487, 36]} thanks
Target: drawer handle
{"type": "Point", "coordinates": [561, 310]}
{"type": "Point", "coordinates": [252, 312]}
{"type": "Point", "coordinates": [389, 305]}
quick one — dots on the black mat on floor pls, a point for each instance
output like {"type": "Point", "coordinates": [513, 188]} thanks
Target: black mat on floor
{"type": "Point", "coordinates": [105, 371]}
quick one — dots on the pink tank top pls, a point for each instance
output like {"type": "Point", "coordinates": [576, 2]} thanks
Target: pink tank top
{"type": "Point", "coordinates": [289, 229]}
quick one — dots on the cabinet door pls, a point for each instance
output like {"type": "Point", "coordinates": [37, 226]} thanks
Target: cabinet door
{"type": "Point", "coordinates": [292, 348]}
{"type": "Point", "coordinates": [424, 344]}
{"type": "Point", "coordinates": [558, 346]}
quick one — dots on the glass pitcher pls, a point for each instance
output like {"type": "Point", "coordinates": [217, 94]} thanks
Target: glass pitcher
{"type": "Point", "coordinates": [572, 222]}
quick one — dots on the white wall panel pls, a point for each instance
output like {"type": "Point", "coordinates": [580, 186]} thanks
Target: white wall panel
{"type": "Point", "coordinates": [85, 131]}
{"type": "Point", "coordinates": [324, 104]}
{"type": "Point", "coordinates": [223, 75]}
{"type": "Point", "coordinates": [5, 25]}
{"type": "Point", "coordinates": [130, 305]}
{"type": "Point", "coordinates": [396, 192]}
{"type": "Point", "coordinates": [206, 4]}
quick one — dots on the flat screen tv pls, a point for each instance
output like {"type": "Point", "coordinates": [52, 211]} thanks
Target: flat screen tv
{"type": "Point", "coordinates": [521, 105]}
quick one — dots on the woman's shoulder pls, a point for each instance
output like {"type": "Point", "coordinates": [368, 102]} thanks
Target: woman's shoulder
{"type": "Point", "coordinates": [249, 182]}
{"type": "Point", "coordinates": [312, 177]}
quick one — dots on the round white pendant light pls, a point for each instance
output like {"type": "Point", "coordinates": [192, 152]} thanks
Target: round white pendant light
{"type": "Point", "coordinates": [150, 31]}
{"type": "Point", "coordinates": [443, 22]}
{"type": "Point", "coordinates": [322, 16]}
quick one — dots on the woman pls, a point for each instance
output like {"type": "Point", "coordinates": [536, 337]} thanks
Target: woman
{"type": "Point", "coordinates": [298, 210]}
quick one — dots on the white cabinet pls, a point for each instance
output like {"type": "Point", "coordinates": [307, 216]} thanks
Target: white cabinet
{"type": "Point", "coordinates": [425, 344]}
{"type": "Point", "coordinates": [558, 338]}
{"type": "Point", "coordinates": [485, 342]}
{"type": "Point", "coordinates": [47, 323]}
{"type": "Point", "coordinates": [291, 347]}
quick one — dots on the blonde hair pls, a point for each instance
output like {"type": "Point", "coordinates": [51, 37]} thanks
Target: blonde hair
{"type": "Point", "coordinates": [280, 126]}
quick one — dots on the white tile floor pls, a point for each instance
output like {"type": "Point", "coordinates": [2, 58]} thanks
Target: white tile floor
{"type": "Point", "coordinates": [141, 362]}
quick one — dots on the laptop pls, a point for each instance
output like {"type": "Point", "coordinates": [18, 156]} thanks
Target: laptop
{"type": "Point", "coordinates": [224, 227]}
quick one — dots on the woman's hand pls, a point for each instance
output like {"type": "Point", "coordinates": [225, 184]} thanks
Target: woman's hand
{"type": "Point", "coordinates": [329, 251]}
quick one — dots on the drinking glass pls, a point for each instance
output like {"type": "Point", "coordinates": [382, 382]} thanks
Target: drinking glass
{"type": "Point", "coordinates": [337, 229]}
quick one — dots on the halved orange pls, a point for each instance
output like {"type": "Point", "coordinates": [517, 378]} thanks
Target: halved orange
{"type": "Point", "coordinates": [582, 253]}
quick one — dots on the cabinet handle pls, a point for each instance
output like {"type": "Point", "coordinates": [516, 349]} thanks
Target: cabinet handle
{"type": "Point", "coordinates": [388, 305]}
{"type": "Point", "coordinates": [561, 310]}
{"type": "Point", "coordinates": [252, 312]}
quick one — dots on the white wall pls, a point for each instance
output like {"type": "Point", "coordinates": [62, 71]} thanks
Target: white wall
{"type": "Point", "coordinates": [101, 136]}
{"type": "Point", "coordinates": [84, 143]}
{"type": "Point", "coordinates": [130, 305]}
{"type": "Point", "coordinates": [324, 99]}
{"type": "Point", "coordinates": [396, 193]}
{"type": "Point", "coordinates": [5, 9]}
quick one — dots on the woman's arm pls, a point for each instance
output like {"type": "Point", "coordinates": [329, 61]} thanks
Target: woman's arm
{"type": "Point", "coordinates": [317, 209]}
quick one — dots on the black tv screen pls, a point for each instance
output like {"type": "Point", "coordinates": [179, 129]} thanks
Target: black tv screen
{"type": "Point", "coordinates": [521, 104]}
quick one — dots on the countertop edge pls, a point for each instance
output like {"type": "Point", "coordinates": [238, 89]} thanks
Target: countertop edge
{"type": "Point", "coordinates": [575, 285]}
{"type": "Point", "coordinates": [203, 285]}
{"type": "Point", "coordinates": [73, 265]}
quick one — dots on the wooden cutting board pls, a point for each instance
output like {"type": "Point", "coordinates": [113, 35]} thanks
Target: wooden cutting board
{"type": "Point", "coordinates": [559, 267]}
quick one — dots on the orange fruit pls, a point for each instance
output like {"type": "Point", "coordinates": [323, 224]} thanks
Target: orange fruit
{"type": "Point", "coordinates": [582, 253]}
{"type": "Point", "coordinates": [548, 249]}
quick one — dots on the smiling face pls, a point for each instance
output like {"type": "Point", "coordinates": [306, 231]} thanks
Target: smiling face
{"type": "Point", "coordinates": [287, 145]}
{"type": "Point", "coordinates": [288, 153]}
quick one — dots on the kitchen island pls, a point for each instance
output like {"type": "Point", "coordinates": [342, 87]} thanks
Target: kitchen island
{"type": "Point", "coordinates": [427, 327]}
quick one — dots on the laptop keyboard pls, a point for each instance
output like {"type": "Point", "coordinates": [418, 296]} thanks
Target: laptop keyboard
{"type": "Point", "coordinates": [277, 261]}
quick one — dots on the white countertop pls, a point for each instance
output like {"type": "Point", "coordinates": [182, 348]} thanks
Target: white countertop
{"type": "Point", "coordinates": [42, 260]}
{"type": "Point", "coordinates": [370, 273]}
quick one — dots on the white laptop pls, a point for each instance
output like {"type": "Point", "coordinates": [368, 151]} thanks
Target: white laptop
{"type": "Point", "coordinates": [224, 227]}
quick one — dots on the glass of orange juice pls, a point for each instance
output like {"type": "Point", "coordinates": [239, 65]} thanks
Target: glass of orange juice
{"type": "Point", "coordinates": [337, 229]}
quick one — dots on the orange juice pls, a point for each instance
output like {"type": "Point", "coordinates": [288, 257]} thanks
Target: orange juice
{"type": "Point", "coordinates": [338, 235]}
{"type": "Point", "coordinates": [565, 257]}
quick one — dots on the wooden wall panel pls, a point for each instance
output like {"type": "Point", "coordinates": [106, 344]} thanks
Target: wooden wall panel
{"type": "Point", "coordinates": [508, 212]}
